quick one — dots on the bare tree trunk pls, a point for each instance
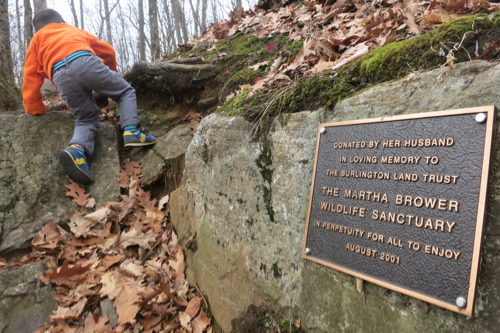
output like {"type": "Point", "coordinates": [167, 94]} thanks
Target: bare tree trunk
{"type": "Point", "coordinates": [19, 34]}
{"type": "Point", "coordinates": [101, 24]}
{"type": "Point", "coordinates": [238, 8]}
{"type": "Point", "coordinates": [214, 11]}
{"type": "Point", "coordinates": [176, 19]}
{"type": "Point", "coordinates": [170, 34]}
{"type": "Point", "coordinates": [9, 94]}
{"type": "Point", "coordinates": [153, 28]}
{"type": "Point", "coordinates": [39, 5]}
{"type": "Point", "coordinates": [28, 23]}
{"type": "Point", "coordinates": [180, 22]}
{"type": "Point", "coordinates": [73, 11]}
{"type": "Point", "coordinates": [184, 26]}
{"type": "Point", "coordinates": [204, 15]}
{"type": "Point", "coordinates": [108, 22]}
{"type": "Point", "coordinates": [142, 35]}
{"type": "Point", "coordinates": [198, 27]}
{"type": "Point", "coordinates": [121, 48]}
{"type": "Point", "coordinates": [81, 15]}
{"type": "Point", "coordinates": [125, 33]}
{"type": "Point", "coordinates": [163, 34]}
{"type": "Point", "coordinates": [5, 51]}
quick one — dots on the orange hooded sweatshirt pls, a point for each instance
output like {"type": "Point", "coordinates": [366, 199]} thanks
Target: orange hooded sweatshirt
{"type": "Point", "coordinates": [53, 43]}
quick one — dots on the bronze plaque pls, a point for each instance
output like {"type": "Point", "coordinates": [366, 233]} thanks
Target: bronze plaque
{"type": "Point", "coordinates": [400, 202]}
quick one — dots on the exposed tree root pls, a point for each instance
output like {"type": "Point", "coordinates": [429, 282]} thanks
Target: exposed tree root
{"type": "Point", "coordinates": [200, 71]}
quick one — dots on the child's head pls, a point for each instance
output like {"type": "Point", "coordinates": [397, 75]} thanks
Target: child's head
{"type": "Point", "coordinates": [46, 16]}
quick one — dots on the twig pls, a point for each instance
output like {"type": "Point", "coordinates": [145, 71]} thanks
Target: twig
{"type": "Point", "coordinates": [275, 324]}
{"type": "Point", "coordinates": [199, 291]}
{"type": "Point", "coordinates": [162, 272]}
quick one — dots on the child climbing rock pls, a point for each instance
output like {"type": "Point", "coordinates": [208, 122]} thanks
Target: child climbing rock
{"type": "Point", "coordinates": [71, 58]}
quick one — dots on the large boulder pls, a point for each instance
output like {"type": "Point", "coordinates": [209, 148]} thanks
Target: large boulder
{"type": "Point", "coordinates": [25, 302]}
{"type": "Point", "coordinates": [32, 191]}
{"type": "Point", "coordinates": [249, 207]}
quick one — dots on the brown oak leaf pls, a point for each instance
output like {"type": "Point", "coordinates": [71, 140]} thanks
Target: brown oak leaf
{"type": "Point", "coordinates": [77, 193]}
{"type": "Point", "coordinates": [79, 224]}
{"type": "Point", "coordinates": [133, 168]}
{"type": "Point", "coordinates": [68, 276]}
{"type": "Point", "coordinates": [48, 237]}
{"type": "Point", "coordinates": [144, 200]}
{"type": "Point", "coordinates": [95, 323]}
{"type": "Point", "coordinates": [126, 298]}
{"type": "Point", "coordinates": [63, 313]}
{"type": "Point", "coordinates": [137, 237]}
{"type": "Point", "coordinates": [193, 307]}
{"type": "Point", "coordinates": [123, 178]}
{"type": "Point", "coordinates": [200, 322]}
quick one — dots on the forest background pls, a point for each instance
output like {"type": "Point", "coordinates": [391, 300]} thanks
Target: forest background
{"type": "Point", "coordinates": [137, 29]}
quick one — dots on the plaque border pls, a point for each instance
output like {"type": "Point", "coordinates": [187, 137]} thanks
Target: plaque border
{"type": "Point", "coordinates": [476, 253]}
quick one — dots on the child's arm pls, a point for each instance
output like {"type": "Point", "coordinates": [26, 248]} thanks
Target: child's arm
{"type": "Point", "coordinates": [104, 51]}
{"type": "Point", "coordinates": [33, 80]}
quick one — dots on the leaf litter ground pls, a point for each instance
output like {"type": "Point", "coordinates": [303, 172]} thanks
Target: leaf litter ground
{"type": "Point", "coordinates": [332, 34]}
{"type": "Point", "coordinates": [126, 252]}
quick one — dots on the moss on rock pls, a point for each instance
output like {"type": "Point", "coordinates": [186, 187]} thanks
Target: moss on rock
{"type": "Point", "coordinates": [384, 64]}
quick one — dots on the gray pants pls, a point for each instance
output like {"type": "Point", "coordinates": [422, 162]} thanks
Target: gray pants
{"type": "Point", "coordinates": [75, 83]}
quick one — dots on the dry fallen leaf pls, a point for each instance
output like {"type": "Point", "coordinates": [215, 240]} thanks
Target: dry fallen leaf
{"type": "Point", "coordinates": [90, 204]}
{"type": "Point", "coordinates": [92, 326]}
{"type": "Point", "coordinates": [77, 193]}
{"type": "Point", "coordinates": [79, 225]}
{"type": "Point", "coordinates": [193, 307]}
{"type": "Point", "coordinates": [127, 298]}
{"type": "Point", "coordinates": [68, 275]}
{"type": "Point", "coordinates": [48, 237]}
{"type": "Point", "coordinates": [137, 237]}
{"type": "Point", "coordinates": [109, 282]}
{"type": "Point", "coordinates": [200, 323]}
{"type": "Point", "coordinates": [163, 201]}
{"type": "Point", "coordinates": [99, 216]}
{"type": "Point", "coordinates": [132, 268]}
{"type": "Point", "coordinates": [73, 312]}
{"type": "Point", "coordinates": [185, 321]}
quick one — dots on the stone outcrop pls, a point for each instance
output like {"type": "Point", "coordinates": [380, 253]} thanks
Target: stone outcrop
{"type": "Point", "coordinates": [32, 194]}
{"type": "Point", "coordinates": [245, 199]}
{"type": "Point", "coordinates": [25, 301]}
{"type": "Point", "coordinates": [32, 191]}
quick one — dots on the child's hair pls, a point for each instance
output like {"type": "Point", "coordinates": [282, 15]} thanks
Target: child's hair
{"type": "Point", "coordinates": [46, 16]}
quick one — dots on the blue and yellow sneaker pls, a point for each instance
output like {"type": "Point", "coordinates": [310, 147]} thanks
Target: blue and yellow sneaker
{"type": "Point", "coordinates": [135, 137]}
{"type": "Point", "coordinates": [74, 161]}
